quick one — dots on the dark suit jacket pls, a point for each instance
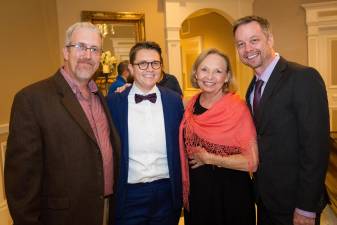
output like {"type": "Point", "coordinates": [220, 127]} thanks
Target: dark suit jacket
{"type": "Point", "coordinates": [293, 135]}
{"type": "Point", "coordinates": [170, 81]}
{"type": "Point", "coordinates": [173, 111]}
{"type": "Point", "coordinates": [54, 169]}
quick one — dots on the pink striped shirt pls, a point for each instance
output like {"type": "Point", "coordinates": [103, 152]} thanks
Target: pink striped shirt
{"type": "Point", "coordinates": [96, 116]}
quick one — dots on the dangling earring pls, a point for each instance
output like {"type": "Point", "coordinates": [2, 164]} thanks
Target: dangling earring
{"type": "Point", "coordinates": [225, 85]}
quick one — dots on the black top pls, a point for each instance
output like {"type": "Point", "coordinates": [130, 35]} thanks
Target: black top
{"type": "Point", "coordinates": [198, 109]}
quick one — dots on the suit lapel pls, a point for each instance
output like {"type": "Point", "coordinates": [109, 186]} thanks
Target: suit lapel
{"type": "Point", "coordinates": [167, 107]}
{"type": "Point", "coordinates": [70, 102]}
{"type": "Point", "coordinates": [268, 92]}
{"type": "Point", "coordinates": [123, 112]}
{"type": "Point", "coordinates": [249, 91]}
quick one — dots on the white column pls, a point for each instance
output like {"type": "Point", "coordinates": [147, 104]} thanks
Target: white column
{"type": "Point", "coordinates": [174, 54]}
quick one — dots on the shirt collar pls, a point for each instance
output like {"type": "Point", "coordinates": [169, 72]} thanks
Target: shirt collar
{"type": "Point", "coordinates": [135, 90]}
{"type": "Point", "coordinates": [267, 72]}
{"type": "Point", "coordinates": [120, 77]}
{"type": "Point", "coordinates": [74, 83]}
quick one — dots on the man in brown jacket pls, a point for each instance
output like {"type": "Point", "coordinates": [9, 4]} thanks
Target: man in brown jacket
{"type": "Point", "coordinates": [62, 154]}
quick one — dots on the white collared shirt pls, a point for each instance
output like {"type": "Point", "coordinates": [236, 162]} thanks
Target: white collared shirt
{"type": "Point", "coordinates": [147, 141]}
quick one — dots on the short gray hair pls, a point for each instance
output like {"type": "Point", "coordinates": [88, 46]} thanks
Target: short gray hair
{"type": "Point", "coordinates": [78, 25]}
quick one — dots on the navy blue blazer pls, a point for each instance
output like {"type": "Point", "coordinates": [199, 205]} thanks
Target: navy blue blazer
{"type": "Point", "coordinates": [173, 112]}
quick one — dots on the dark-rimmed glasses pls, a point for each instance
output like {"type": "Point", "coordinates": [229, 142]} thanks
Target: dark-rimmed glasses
{"type": "Point", "coordinates": [82, 48]}
{"type": "Point", "coordinates": [144, 65]}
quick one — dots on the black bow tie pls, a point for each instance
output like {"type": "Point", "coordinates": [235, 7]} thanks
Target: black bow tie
{"type": "Point", "coordinates": [151, 97]}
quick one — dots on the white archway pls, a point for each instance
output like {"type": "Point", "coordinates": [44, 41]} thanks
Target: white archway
{"type": "Point", "coordinates": [176, 11]}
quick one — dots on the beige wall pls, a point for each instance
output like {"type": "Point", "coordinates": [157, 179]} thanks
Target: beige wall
{"type": "Point", "coordinates": [29, 52]}
{"type": "Point", "coordinates": [29, 47]}
{"type": "Point", "coordinates": [287, 18]}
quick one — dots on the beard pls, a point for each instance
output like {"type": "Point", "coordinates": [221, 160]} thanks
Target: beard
{"type": "Point", "coordinates": [254, 65]}
{"type": "Point", "coordinates": [85, 69]}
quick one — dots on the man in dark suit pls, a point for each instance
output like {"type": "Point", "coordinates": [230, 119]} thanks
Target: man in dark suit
{"type": "Point", "coordinates": [290, 109]}
{"type": "Point", "coordinates": [147, 117]}
{"type": "Point", "coordinates": [62, 157]}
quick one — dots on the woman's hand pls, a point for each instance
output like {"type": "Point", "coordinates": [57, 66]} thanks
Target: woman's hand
{"type": "Point", "coordinates": [199, 157]}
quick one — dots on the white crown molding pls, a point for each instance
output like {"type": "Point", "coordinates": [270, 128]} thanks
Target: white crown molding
{"type": "Point", "coordinates": [319, 5]}
{"type": "Point", "coordinates": [4, 128]}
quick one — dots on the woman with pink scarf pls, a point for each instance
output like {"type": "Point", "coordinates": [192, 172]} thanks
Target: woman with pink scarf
{"type": "Point", "coordinates": [217, 148]}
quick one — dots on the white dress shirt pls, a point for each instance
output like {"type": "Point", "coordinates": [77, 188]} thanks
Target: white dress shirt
{"type": "Point", "coordinates": [147, 141]}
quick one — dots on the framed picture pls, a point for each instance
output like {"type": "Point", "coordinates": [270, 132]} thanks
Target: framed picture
{"type": "Point", "coordinates": [190, 49]}
{"type": "Point", "coordinates": [120, 31]}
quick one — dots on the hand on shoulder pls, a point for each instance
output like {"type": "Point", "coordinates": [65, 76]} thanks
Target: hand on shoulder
{"type": "Point", "coordinates": [122, 88]}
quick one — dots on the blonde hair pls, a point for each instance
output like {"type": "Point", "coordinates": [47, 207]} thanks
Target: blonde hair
{"type": "Point", "coordinates": [229, 85]}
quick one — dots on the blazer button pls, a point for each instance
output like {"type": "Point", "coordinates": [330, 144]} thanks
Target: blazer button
{"type": "Point", "coordinates": [101, 197]}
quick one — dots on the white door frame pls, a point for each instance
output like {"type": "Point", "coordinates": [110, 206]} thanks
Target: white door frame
{"type": "Point", "coordinates": [176, 11]}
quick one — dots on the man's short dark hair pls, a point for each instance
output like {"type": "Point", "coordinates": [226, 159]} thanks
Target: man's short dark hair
{"type": "Point", "coordinates": [122, 66]}
{"type": "Point", "coordinates": [144, 45]}
{"type": "Point", "coordinates": [247, 19]}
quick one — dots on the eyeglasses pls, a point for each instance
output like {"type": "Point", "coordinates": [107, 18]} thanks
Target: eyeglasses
{"type": "Point", "coordinates": [144, 65]}
{"type": "Point", "coordinates": [82, 48]}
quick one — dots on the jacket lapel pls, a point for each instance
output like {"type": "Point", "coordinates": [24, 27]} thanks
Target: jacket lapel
{"type": "Point", "coordinates": [167, 122]}
{"type": "Point", "coordinates": [248, 93]}
{"type": "Point", "coordinates": [269, 90]}
{"type": "Point", "coordinates": [122, 109]}
{"type": "Point", "coordinates": [70, 102]}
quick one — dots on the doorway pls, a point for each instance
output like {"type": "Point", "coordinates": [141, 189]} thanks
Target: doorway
{"type": "Point", "coordinates": [202, 30]}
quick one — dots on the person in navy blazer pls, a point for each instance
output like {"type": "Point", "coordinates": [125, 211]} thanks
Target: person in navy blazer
{"type": "Point", "coordinates": [149, 190]}
{"type": "Point", "coordinates": [292, 124]}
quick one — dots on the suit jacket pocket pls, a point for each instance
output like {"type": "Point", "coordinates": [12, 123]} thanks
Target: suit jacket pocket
{"type": "Point", "coordinates": [55, 203]}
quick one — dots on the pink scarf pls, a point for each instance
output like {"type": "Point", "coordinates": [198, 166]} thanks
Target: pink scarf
{"type": "Point", "coordinates": [225, 129]}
